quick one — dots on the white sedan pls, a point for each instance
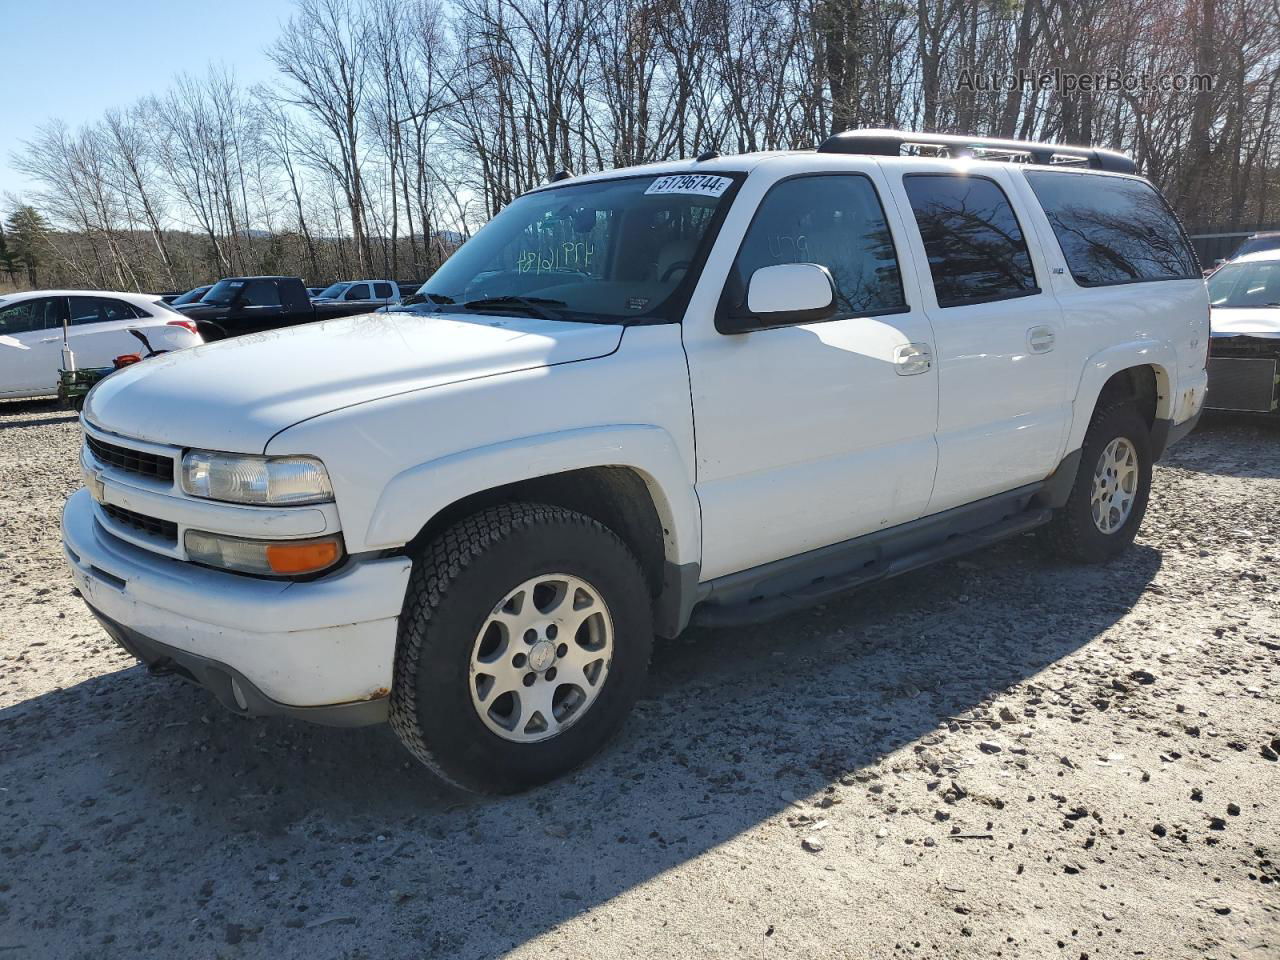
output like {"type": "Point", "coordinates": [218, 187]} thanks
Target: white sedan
{"type": "Point", "coordinates": [98, 324]}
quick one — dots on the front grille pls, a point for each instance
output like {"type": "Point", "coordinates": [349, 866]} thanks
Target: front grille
{"type": "Point", "coordinates": [165, 530]}
{"type": "Point", "coordinates": [131, 461]}
{"type": "Point", "coordinates": [1242, 383]}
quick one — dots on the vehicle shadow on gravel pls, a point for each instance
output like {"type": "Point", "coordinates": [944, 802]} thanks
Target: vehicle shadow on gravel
{"type": "Point", "coordinates": [55, 413]}
{"type": "Point", "coordinates": [139, 819]}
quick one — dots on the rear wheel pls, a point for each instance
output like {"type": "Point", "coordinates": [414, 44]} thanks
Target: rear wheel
{"type": "Point", "coordinates": [1102, 515]}
{"type": "Point", "coordinates": [523, 644]}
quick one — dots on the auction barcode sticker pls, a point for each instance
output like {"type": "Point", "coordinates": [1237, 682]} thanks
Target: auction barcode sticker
{"type": "Point", "coordinates": [697, 183]}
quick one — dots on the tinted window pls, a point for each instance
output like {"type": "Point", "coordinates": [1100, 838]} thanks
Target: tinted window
{"type": "Point", "coordinates": [261, 293]}
{"type": "Point", "coordinates": [359, 291]}
{"type": "Point", "coordinates": [1113, 230]}
{"type": "Point", "coordinates": [835, 221]}
{"type": "Point", "coordinates": [27, 316]}
{"type": "Point", "coordinates": [972, 239]}
{"type": "Point", "coordinates": [382, 291]}
{"type": "Point", "coordinates": [100, 310]}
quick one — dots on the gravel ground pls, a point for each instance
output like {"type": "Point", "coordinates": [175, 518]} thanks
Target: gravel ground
{"type": "Point", "coordinates": [1000, 757]}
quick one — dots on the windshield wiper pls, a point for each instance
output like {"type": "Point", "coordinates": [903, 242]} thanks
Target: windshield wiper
{"type": "Point", "coordinates": [534, 305]}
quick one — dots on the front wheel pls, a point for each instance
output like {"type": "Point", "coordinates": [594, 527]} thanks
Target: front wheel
{"type": "Point", "coordinates": [1107, 503]}
{"type": "Point", "coordinates": [523, 644]}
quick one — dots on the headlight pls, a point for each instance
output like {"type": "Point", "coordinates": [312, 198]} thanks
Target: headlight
{"type": "Point", "coordinates": [272, 558]}
{"type": "Point", "coordinates": [258, 480]}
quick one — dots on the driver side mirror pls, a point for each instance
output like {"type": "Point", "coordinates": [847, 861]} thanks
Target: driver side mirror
{"type": "Point", "coordinates": [784, 294]}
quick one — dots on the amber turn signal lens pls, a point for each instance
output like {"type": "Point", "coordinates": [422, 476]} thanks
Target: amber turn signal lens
{"type": "Point", "coordinates": [306, 556]}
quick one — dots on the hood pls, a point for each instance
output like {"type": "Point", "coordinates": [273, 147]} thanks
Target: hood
{"type": "Point", "coordinates": [236, 394]}
{"type": "Point", "coordinates": [1245, 321]}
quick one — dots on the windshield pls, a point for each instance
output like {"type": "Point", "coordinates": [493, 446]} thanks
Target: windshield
{"type": "Point", "coordinates": [222, 293]}
{"type": "Point", "coordinates": [191, 296]}
{"type": "Point", "coordinates": [333, 291]}
{"type": "Point", "coordinates": [613, 250]}
{"type": "Point", "coordinates": [1254, 284]}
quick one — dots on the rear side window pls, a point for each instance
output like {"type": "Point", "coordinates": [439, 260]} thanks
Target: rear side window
{"type": "Point", "coordinates": [100, 310]}
{"type": "Point", "coordinates": [1113, 230]}
{"type": "Point", "coordinates": [972, 238]}
{"type": "Point", "coordinates": [382, 291]}
{"type": "Point", "coordinates": [833, 220]}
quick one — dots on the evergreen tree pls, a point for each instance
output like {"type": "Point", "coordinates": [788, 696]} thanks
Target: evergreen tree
{"type": "Point", "coordinates": [9, 262]}
{"type": "Point", "coordinates": [28, 237]}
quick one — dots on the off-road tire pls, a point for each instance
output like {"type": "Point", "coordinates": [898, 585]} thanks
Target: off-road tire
{"type": "Point", "coordinates": [457, 580]}
{"type": "Point", "coordinates": [1073, 534]}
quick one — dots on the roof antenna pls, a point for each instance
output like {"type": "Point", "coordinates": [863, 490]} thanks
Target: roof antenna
{"type": "Point", "coordinates": [560, 175]}
{"type": "Point", "coordinates": [708, 155]}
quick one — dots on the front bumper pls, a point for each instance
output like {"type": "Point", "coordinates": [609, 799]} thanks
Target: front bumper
{"type": "Point", "coordinates": [291, 647]}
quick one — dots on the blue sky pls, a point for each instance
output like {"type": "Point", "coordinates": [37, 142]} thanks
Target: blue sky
{"type": "Point", "coordinates": [73, 59]}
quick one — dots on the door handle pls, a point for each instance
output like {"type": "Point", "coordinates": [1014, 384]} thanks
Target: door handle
{"type": "Point", "coordinates": [1040, 339]}
{"type": "Point", "coordinates": [912, 358]}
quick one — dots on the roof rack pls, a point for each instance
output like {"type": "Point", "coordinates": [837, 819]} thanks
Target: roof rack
{"type": "Point", "coordinates": [890, 143]}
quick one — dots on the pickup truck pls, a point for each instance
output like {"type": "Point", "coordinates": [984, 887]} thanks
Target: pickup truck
{"type": "Point", "coordinates": [371, 294]}
{"type": "Point", "coordinates": [705, 392]}
{"type": "Point", "coordinates": [239, 305]}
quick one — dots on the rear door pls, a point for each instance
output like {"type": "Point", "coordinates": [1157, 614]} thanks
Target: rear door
{"type": "Point", "coordinates": [31, 346]}
{"type": "Point", "coordinates": [1004, 404]}
{"type": "Point", "coordinates": [99, 329]}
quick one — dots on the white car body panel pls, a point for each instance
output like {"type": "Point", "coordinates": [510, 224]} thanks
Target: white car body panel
{"type": "Point", "coordinates": [806, 435]}
{"type": "Point", "coordinates": [29, 362]}
{"type": "Point", "coordinates": [585, 407]}
{"type": "Point", "coordinates": [1261, 322]}
{"type": "Point", "coordinates": [254, 386]}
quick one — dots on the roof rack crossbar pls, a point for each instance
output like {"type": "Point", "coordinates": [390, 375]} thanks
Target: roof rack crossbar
{"type": "Point", "coordinates": [890, 143]}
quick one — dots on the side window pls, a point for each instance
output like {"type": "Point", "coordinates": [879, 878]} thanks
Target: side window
{"type": "Point", "coordinates": [972, 238]}
{"type": "Point", "coordinates": [24, 317]}
{"type": "Point", "coordinates": [1112, 229]}
{"type": "Point", "coordinates": [99, 310]}
{"type": "Point", "coordinates": [834, 220]}
{"type": "Point", "coordinates": [382, 291]}
{"type": "Point", "coordinates": [261, 293]}
{"type": "Point", "coordinates": [359, 291]}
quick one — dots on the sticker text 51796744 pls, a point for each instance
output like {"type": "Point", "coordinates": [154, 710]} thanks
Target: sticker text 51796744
{"type": "Point", "coordinates": [696, 183]}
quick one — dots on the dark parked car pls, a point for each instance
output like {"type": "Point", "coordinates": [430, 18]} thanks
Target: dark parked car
{"type": "Point", "coordinates": [239, 305]}
{"type": "Point", "coordinates": [1257, 243]}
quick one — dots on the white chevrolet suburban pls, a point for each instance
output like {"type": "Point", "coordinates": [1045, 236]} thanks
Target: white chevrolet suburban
{"type": "Point", "coordinates": [695, 392]}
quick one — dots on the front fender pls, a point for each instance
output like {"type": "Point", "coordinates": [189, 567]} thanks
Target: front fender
{"type": "Point", "coordinates": [1159, 355]}
{"type": "Point", "coordinates": [419, 493]}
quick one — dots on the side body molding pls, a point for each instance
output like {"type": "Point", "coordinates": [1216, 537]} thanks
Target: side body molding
{"type": "Point", "coordinates": [1103, 365]}
{"type": "Point", "coordinates": [417, 494]}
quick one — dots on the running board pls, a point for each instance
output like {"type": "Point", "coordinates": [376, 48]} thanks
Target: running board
{"type": "Point", "coordinates": [859, 562]}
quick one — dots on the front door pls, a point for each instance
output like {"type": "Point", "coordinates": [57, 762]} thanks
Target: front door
{"type": "Point", "coordinates": [30, 346]}
{"type": "Point", "coordinates": [814, 433]}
